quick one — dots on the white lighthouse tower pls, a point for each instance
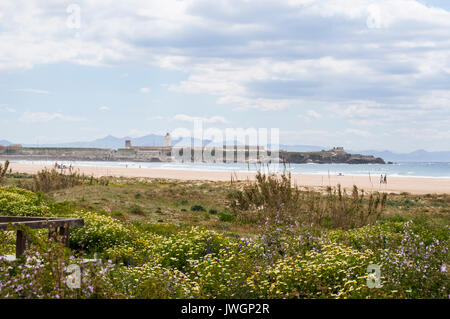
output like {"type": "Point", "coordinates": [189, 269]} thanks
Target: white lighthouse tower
{"type": "Point", "coordinates": [167, 140]}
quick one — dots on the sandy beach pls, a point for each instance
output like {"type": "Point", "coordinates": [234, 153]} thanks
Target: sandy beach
{"type": "Point", "coordinates": [411, 185]}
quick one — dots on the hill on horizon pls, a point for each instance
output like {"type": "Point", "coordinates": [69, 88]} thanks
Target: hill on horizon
{"type": "Point", "coordinates": [416, 156]}
{"type": "Point", "coordinates": [113, 142]}
{"type": "Point", "coordinates": [109, 141]}
{"type": "Point", "coordinates": [5, 142]}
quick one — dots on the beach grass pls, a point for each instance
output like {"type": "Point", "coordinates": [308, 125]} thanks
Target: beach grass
{"type": "Point", "coordinates": [237, 239]}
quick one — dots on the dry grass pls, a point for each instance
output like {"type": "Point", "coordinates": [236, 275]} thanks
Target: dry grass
{"type": "Point", "coordinates": [153, 201]}
{"type": "Point", "coordinates": [48, 180]}
{"type": "Point", "coordinates": [160, 201]}
{"type": "Point", "coordinates": [273, 196]}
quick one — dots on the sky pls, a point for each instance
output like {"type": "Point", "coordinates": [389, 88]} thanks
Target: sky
{"type": "Point", "coordinates": [362, 74]}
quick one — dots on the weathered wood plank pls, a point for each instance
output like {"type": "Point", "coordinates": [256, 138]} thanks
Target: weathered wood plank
{"type": "Point", "coordinates": [56, 226]}
{"type": "Point", "coordinates": [21, 243]}
{"type": "Point", "coordinates": [45, 223]}
{"type": "Point", "coordinates": [7, 219]}
{"type": "Point", "coordinates": [64, 235]}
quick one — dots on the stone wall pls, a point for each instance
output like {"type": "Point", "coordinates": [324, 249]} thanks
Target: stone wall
{"type": "Point", "coordinates": [80, 154]}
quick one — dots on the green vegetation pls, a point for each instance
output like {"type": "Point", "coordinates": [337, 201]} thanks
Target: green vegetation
{"type": "Point", "coordinates": [20, 202]}
{"type": "Point", "coordinates": [198, 208]}
{"type": "Point", "coordinates": [265, 239]}
{"type": "Point", "coordinates": [330, 156]}
{"type": "Point", "coordinates": [3, 171]}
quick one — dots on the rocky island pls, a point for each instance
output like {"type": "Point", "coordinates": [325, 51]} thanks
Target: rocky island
{"type": "Point", "coordinates": [335, 155]}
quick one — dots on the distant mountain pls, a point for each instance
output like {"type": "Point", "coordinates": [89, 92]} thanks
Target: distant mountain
{"type": "Point", "coordinates": [110, 142]}
{"type": "Point", "coordinates": [5, 142]}
{"type": "Point", "coordinates": [416, 156]}
{"type": "Point", "coordinates": [105, 142]}
{"type": "Point", "coordinates": [302, 148]}
{"type": "Point", "coordinates": [157, 140]}
{"type": "Point", "coordinates": [119, 142]}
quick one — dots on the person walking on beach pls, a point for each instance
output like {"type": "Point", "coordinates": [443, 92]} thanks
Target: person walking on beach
{"type": "Point", "coordinates": [381, 179]}
{"type": "Point", "coordinates": [385, 178]}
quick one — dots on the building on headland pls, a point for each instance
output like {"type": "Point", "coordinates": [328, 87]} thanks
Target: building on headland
{"type": "Point", "coordinates": [334, 155]}
{"type": "Point", "coordinates": [230, 153]}
{"type": "Point", "coordinates": [163, 153]}
{"type": "Point", "coordinates": [150, 153]}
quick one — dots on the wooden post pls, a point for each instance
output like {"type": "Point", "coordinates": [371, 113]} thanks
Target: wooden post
{"type": "Point", "coordinates": [53, 233]}
{"type": "Point", "coordinates": [56, 226]}
{"type": "Point", "coordinates": [21, 243]}
{"type": "Point", "coordinates": [64, 233]}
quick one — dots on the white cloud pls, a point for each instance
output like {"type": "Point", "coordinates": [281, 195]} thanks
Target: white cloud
{"type": "Point", "coordinates": [138, 133]}
{"type": "Point", "coordinates": [243, 103]}
{"type": "Point", "coordinates": [381, 62]}
{"type": "Point", "coordinates": [6, 108]}
{"type": "Point", "coordinates": [313, 114]}
{"type": "Point", "coordinates": [358, 132]}
{"type": "Point", "coordinates": [191, 119]}
{"type": "Point", "coordinates": [309, 137]}
{"type": "Point", "coordinates": [157, 117]}
{"type": "Point", "coordinates": [43, 117]}
{"type": "Point", "coordinates": [33, 91]}
{"type": "Point", "coordinates": [104, 108]}
{"type": "Point", "coordinates": [309, 116]}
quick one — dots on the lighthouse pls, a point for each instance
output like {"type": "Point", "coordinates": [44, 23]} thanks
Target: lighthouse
{"type": "Point", "coordinates": [167, 140]}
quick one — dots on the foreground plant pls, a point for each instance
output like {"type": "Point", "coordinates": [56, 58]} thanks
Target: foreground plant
{"type": "Point", "coordinates": [43, 272]}
{"type": "Point", "coordinates": [274, 197]}
{"type": "Point", "coordinates": [3, 171]}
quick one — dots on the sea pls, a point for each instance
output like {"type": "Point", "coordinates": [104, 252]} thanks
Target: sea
{"type": "Point", "coordinates": [401, 169]}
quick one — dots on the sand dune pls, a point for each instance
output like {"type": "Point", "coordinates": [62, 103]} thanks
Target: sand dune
{"type": "Point", "coordinates": [395, 184]}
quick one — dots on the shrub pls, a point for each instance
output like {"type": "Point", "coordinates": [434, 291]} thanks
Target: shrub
{"type": "Point", "coordinates": [198, 208]}
{"type": "Point", "coordinates": [99, 233]}
{"type": "Point", "coordinates": [273, 197]}
{"type": "Point", "coordinates": [3, 170]}
{"type": "Point", "coordinates": [226, 217]}
{"type": "Point", "coordinates": [41, 274]}
{"type": "Point", "coordinates": [18, 202]}
{"type": "Point", "coordinates": [52, 179]}
{"type": "Point", "coordinates": [227, 273]}
{"type": "Point", "coordinates": [379, 236]}
{"type": "Point", "coordinates": [331, 271]}
{"type": "Point", "coordinates": [7, 243]}
{"type": "Point", "coordinates": [160, 229]}
{"type": "Point", "coordinates": [137, 251]}
{"type": "Point", "coordinates": [154, 281]}
{"type": "Point", "coordinates": [176, 251]}
{"type": "Point", "coordinates": [137, 210]}
{"type": "Point", "coordinates": [417, 267]}
{"type": "Point", "coordinates": [213, 211]}
{"type": "Point", "coordinates": [117, 214]}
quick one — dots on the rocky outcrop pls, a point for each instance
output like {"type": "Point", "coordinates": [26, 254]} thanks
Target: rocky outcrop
{"type": "Point", "coordinates": [329, 157]}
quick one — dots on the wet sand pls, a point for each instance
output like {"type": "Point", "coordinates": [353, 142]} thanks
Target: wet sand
{"type": "Point", "coordinates": [413, 185]}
